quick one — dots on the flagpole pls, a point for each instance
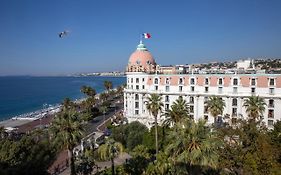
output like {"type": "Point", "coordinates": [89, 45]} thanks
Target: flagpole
{"type": "Point", "coordinates": [140, 38]}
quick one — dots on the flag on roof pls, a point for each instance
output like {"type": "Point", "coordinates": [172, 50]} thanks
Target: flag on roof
{"type": "Point", "coordinates": [146, 35]}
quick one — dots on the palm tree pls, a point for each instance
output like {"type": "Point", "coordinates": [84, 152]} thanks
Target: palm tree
{"type": "Point", "coordinates": [120, 90]}
{"type": "Point", "coordinates": [162, 166]}
{"type": "Point", "coordinates": [103, 97]}
{"type": "Point", "coordinates": [110, 150]}
{"type": "Point", "coordinates": [67, 130]}
{"type": "Point", "coordinates": [154, 106]}
{"type": "Point", "coordinates": [84, 89]}
{"type": "Point", "coordinates": [2, 132]}
{"type": "Point", "coordinates": [89, 91]}
{"type": "Point", "coordinates": [215, 106]}
{"type": "Point", "coordinates": [194, 145]}
{"type": "Point", "coordinates": [67, 104]}
{"type": "Point", "coordinates": [255, 106]}
{"type": "Point", "coordinates": [179, 110]}
{"type": "Point", "coordinates": [108, 85]}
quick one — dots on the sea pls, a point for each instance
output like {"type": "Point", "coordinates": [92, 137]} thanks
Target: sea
{"type": "Point", "coordinates": [25, 94]}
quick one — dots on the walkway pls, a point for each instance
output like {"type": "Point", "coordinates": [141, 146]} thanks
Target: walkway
{"type": "Point", "coordinates": [96, 124]}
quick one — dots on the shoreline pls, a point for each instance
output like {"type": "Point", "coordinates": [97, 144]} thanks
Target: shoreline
{"type": "Point", "coordinates": [13, 123]}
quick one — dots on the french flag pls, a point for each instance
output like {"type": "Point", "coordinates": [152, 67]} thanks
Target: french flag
{"type": "Point", "coordinates": [146, 35]}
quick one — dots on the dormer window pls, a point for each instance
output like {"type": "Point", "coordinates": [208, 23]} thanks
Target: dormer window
{"type": "Point", "coordinates": [148, 62]}
{"type": "Point", "coordinates": [138, 61]}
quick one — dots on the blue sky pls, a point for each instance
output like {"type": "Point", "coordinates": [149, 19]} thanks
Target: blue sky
{"type": "Point", "coordinates": [105, 32]}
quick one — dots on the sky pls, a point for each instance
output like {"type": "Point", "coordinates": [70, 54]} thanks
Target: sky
{"type": "Point", "coordinates": [103, 33]}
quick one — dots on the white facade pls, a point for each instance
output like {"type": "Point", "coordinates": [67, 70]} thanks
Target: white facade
{"type": "Point", "coordinates": [197, 88]}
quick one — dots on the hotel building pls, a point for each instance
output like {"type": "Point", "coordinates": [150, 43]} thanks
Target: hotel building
{"type": "Point", "coordinates": [145, 77]}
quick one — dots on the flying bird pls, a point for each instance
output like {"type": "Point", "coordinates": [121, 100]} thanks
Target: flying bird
{"type": "Point", "coordinates": [63, 34]}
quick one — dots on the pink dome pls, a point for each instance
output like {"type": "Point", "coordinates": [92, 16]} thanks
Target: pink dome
{"type": "Point", "coordinates": [141, 57]}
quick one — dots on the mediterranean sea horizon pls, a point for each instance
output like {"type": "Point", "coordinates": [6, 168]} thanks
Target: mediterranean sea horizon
{"type": "Point", "coordinates": [24, 94]}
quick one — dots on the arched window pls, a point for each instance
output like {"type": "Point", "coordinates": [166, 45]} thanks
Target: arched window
{"type": "Point", "coordinates": [235, 81]}
{"type": "Point", "coordinates": [181, 81]}
{"type": "Point", "coordinates": [156, 81]}
{"type": "Point", "coordinates": [167, 80]}
{"type": "Point", "coordinates": [234, 102]}
{"type": "Point", "coordinates": [271, 103]}
{"type": "Point", "coordinates": [136, 96]}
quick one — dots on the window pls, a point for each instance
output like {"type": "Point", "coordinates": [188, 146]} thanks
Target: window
{"type": "Point", "coordinates": [271, 90]}
{"type": "Point", "coordinates": [234, 121]}
{"type": "Point", "coordinates": [180, 88]}
{"type": "Point", "coordinates": [131, 80]}
{"type": "Point", "coordinates": [206, 89]}
{"type": "Point", "coordinates": [270, 122]}
{"type": "Point", "coordinates": [181, 81]}
{"type": "Point", "coordinates": [192, 88]}
{"type": "Point", "coordinates": [235, 90]}
{"type": "Point", "coordinates": [205, 109]}
{"type": "Point", "coordinates": [253, 90]}
{"type": "Point", "coordinates": [136, 112]}
{"type": "Point", "coordinates": [234, 112]}
{"type": "Point", "coordinates": [191, 100]}
{"type": "Point", "coordinates": [191, 109]}
{"type": "Point", "coordinates": [206, 99]}
{"type": "Point", "coordinates": [136, 104]}
{"type": "Point", "coordinates": [220, 90]}
{"type": "Point", "coordinates": [142, 86]}
{"type": "Point", "coordinates": [167, 98]}
{"type": "Point", "coordinates": [156, 81]}
{"type": "Point", "coordinates": [167, 80]}
{"type": "Point", "coordinates": [156, 88]}
{"type": "Point", "coordinates": [132, 87]}
{"type": "Point", "coordinates": [270, 113]}
{"type": "Point", "coordinates": [205, 117]}
{"type": "Point", "coordinates": [253, 82]}
{"type": "Point", "coordinates": [142, 79]}
{"type": "Point", "coordinates": [136, 96]}
{"type": "Point", "coordinates": [192, 81]}
{"type": "Point", "coordinates": [167, 88]}
{"type": "Point", "coordinates": [166, 107]}
{"type": "Point", "coordinates": [137, 80]}
{"type": "Point", "coordinates": [234, 102]}
{"type": "Point", "coordinates": [220, 81]}
{"type": "Point", "coordinates": [271, 81]}
{"type": "Point", "coordinates": [271, 103]}
{"type": "Point", "coordinates": [137, 86]}
{"type": "Point", "coordinates": [235, 81]}
{"type": "Point", "coordinates": [206, 81]}
{"type": "Point", "coordinates": [219, 120]}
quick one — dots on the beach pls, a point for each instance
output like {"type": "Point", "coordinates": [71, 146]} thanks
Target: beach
{"type": "Point", "coordinates": [30, 99]}
{"type": "Point", "coordinates": [24, 94]}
